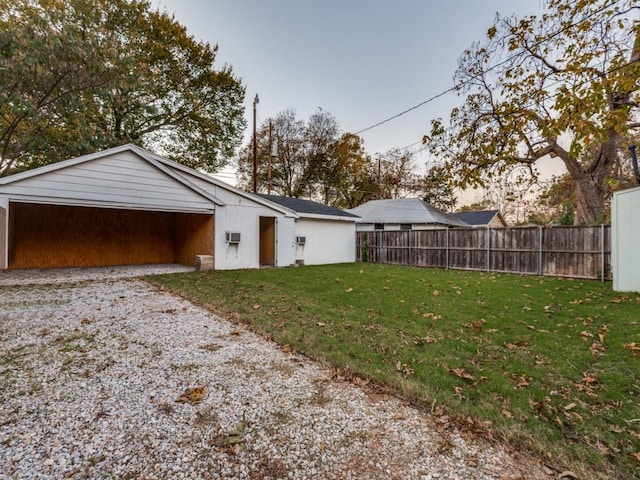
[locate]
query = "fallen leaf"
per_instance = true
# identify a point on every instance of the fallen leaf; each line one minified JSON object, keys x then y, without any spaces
{"x":567,"y":475}
{"x":348,"y":290}
{"x":462,"y":373}
{"x":571,"y":406}
{"x":256,"y":306}
{"x":436,"y":293}
{"x":287,"y":348}
{"x":321,"y":324}
{"x":237,"y":332}
{"x":193,"y":396}
{"x":506,"y":413}
{"x":521,"y":382}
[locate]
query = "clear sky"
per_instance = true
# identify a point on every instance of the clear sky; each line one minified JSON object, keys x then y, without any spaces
{"x":361,"y":60}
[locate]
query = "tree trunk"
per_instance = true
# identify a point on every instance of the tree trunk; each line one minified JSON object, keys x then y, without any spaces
{"x":589,"y":200}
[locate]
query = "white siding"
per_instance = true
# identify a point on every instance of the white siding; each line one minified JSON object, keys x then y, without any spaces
{"x":245,"y":219}
{"x":625,"y":240}
{"x":326,"y":241}
{"x":121,"y":179}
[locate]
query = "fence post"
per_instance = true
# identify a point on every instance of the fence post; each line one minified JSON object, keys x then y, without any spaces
{"x":602,"y":262}
{"x":410,"y":233}
{"x":488,"y":239}
{"x":447,"y":250}
{"x":540,"y":237}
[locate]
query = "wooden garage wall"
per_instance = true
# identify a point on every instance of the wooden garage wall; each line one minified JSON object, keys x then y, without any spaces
{"x":194,"y":236}
{"x":46,"y":236}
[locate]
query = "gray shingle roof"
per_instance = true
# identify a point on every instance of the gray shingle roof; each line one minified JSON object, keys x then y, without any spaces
{"x":404,"y":210}
{"x":306,"y":206}
{"x":482,"y":217}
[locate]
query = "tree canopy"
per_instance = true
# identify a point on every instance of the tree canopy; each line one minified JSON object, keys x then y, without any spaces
{"x":83,"y":75}
{"x":564,"y":84}
{"x":314,"y":159}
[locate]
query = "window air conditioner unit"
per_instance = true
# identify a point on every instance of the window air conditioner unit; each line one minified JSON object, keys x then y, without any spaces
{"x":301,"y":240}
{"x":233,"y":237}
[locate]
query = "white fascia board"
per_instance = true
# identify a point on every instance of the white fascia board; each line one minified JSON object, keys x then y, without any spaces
{"x":317,"y":216}
{"x":142,"y":153}
{"x":95,"y":204}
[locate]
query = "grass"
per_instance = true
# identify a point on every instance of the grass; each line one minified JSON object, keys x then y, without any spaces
{"x":550,"y":365}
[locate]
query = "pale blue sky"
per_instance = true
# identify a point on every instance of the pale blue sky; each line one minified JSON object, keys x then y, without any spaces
{"x":362,"y":61}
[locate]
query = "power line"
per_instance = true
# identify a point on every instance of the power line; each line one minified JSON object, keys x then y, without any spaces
{"x":508,"y":59}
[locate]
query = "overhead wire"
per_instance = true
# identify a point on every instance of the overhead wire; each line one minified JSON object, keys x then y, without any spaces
{"x":508,"y":59}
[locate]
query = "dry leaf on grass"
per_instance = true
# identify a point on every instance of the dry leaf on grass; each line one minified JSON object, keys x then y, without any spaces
{"x":462,"y":373}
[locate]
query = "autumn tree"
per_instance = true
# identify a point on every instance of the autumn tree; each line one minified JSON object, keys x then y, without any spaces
{"x":396,"y":176}
{"x":347,"y":179}
{"x":437,"y":190}
{"x":308,"y":159}
{"x":289,"y":171}
{"x":80,"y":75}
{"x":564,"y":84}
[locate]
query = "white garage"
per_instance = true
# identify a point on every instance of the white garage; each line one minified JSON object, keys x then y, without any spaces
{"x":127,"y":205}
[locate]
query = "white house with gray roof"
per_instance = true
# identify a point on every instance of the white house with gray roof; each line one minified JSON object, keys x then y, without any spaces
{"x":127,"y":205}
{"x":402,"y":214}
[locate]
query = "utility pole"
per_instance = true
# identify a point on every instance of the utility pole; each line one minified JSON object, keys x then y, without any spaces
{"x":270,"y":155}
{"x":256,"y":100}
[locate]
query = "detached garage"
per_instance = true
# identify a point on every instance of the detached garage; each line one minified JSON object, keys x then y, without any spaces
{"x":127,"y":206}
{"x":115,"y":207}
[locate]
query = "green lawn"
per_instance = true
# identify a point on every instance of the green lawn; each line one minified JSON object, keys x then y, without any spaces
{"x":550,"y":365}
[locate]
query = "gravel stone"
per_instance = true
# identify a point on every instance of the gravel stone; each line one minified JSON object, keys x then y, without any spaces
{"x":93,"y":361}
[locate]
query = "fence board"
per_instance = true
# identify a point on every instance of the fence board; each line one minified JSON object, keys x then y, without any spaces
{"x":578,"y":252}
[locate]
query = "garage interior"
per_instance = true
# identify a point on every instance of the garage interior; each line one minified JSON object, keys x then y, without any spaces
{"x":51,"y":236}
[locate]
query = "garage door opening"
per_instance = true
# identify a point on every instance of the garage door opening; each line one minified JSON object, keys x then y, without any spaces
{"x":49,"y":236}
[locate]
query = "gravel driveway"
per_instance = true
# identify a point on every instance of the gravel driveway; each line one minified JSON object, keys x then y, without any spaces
{"x":103,"y":375}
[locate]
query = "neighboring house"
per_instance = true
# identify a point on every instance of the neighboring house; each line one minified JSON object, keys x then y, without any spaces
{"x":323,"y":234}
{"x":483,"y":218}
{"x":402,"y":214}
{"x":127,"y":205}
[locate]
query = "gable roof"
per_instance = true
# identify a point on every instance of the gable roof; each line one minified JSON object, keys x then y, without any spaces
{"x":404,"y":210}
{"x":308,"y":208}
{"x":72,"y":162}
{"x":186,"y":176}
{"x":481,"y":217}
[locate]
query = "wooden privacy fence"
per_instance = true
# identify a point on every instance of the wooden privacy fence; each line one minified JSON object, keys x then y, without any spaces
{"x":578,"y":252}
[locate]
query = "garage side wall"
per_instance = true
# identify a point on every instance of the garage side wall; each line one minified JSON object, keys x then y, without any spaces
{"x":194,"y":236}
{"x":326,"y":241}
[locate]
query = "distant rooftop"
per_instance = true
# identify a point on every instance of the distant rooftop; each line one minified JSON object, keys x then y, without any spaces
{"x":404,"y":210}
{"x":306,"y":206}
{"x":482,"y":217}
